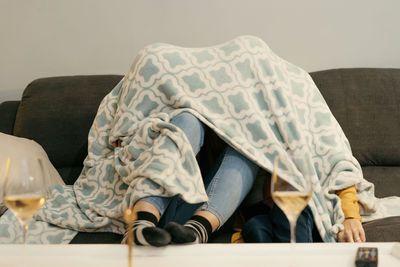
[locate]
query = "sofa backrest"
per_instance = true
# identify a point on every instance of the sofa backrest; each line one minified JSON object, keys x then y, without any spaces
{"x":366,"y":103}
{"x":57,"y":113}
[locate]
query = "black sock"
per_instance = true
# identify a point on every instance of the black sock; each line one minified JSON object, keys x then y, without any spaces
{"x":146,"y":233}
{"x":195,"y":231}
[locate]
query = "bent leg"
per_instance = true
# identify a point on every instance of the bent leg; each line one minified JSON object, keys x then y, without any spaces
{"x":192,"y":127}
{"x":194,"y":131}
{"x":227,"y":185}
{"x":150,"y":209}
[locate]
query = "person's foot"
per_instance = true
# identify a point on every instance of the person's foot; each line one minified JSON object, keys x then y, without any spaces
{"x":151,"y":236}
{"x":146,"y":233}
{"x":195,"y":231}
{"x":181,"y":234}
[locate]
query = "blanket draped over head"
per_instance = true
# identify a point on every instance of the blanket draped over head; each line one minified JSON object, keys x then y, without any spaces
{"x":258,"y":103}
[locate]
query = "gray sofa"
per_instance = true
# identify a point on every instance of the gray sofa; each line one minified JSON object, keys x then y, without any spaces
{"x":57,"y":112}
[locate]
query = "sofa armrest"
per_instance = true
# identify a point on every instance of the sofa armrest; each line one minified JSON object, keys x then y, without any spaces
{"x":8,"y":112}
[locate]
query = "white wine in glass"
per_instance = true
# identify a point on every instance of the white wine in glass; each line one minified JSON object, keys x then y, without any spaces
{"x":290,"y":199}
{"x":24,"y":191}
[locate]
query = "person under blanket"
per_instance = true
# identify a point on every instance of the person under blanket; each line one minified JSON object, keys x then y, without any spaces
{"x":143,"y":143}
{"x":158,"y":69}
{"x":227,"y":183}
{"x":162,"y":220}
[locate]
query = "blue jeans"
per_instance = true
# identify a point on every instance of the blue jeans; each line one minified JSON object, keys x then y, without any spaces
{"x":273,"y":227}
{"x":227,"y":183}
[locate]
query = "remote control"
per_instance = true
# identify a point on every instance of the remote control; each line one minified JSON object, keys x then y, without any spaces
{"x":367,"y":257}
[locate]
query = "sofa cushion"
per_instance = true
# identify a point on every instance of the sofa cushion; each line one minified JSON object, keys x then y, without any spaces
{"x":8,"y":111}
{"x":386,"y":179}
{"x":16,"y":149}
{"x":97,"y":238}
{"x":383,"y":230}
{"x":366,"y":102}
{"x":58,"y":112}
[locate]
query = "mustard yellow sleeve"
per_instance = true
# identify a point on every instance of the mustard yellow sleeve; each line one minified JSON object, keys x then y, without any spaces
{"x":348,"y":197}
{"x":237,"y":237}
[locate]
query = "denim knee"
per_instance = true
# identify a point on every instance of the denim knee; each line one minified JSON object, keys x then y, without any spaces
{"x":192,"y":127}
{"x":230,"y":182}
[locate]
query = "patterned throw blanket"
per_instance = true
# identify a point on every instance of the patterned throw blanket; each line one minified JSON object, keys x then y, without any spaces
{"x":255,"y":101}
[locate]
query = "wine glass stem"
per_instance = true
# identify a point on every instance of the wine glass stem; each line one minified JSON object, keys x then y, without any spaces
{"x":25,"y":227}
{"x":130,"y":243}
{"x":292,"y":231}
{"x":24,"y":232}
{"x":292,"y":223}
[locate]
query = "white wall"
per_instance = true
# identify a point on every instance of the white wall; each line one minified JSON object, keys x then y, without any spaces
{"x":41,"y":38}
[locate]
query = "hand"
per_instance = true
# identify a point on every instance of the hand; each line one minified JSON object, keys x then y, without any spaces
{"x":352,"y":232}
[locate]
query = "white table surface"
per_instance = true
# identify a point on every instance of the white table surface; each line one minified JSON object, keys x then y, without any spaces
{"x":248,"y":255}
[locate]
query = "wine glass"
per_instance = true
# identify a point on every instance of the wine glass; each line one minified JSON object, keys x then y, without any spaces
{"x":24,"y":192}
{"x":293,"y":197}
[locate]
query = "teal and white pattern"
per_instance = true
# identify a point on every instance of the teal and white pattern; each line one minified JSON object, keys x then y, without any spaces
{"x":260,"y":104}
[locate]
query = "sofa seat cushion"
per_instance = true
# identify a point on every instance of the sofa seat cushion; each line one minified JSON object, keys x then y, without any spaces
{"x":385,"y":178}
{"x":383,"y":230}
{"x":97,"y":238}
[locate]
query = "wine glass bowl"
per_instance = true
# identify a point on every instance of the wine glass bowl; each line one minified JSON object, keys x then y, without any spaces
{"x":24,"y":191}
{"x":291,"y":197}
